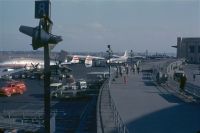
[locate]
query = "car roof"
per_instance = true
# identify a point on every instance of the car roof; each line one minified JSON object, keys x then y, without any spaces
{"x":55,"y":84}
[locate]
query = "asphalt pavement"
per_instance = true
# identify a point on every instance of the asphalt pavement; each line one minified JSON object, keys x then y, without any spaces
{"x":68,"y":112}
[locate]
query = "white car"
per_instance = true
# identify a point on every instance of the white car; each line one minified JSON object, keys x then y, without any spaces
{"x":81,"y":84}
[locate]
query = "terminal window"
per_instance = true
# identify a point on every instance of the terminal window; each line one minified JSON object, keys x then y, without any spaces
{"x":191,"y":49}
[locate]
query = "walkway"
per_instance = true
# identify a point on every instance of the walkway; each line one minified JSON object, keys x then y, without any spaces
{"x":146,"y":108}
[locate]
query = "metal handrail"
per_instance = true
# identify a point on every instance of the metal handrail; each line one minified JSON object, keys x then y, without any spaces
{"x":121,"y":127}
{"x":99,"y":116}
{"x":119,"y":124}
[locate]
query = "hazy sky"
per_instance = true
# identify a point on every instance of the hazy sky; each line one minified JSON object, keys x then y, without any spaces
{"x":88,"y":25}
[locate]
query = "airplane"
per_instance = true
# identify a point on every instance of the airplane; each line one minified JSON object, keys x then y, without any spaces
{"x":88,"y":60}
{"x":27,"y":63}
{"x":119,"y":59}
{"x":139,"y":57}
{"x":15,"y":66}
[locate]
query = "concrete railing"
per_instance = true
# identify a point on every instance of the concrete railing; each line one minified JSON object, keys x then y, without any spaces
{"x":170,"y":67}
{"x":189,"y":88}
{"x":193,"y":89}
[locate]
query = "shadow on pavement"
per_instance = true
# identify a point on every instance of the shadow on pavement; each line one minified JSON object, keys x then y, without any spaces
{"x":171,"y":98}
{"x":183,"y":118}
{"x":149,"y":83}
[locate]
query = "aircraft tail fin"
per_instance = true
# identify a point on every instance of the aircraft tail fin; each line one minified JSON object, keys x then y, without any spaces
{"x":75,"y":59}
{"x":126,"y":54}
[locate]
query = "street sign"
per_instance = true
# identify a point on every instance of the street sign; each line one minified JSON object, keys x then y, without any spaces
{"x":42,"y":8}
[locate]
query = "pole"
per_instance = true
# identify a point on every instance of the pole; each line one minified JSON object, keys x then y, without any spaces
{"x":109,"y":65}
{"x":47,"y":75}
{"x":131,"y":58}
{"x":109,"y":54}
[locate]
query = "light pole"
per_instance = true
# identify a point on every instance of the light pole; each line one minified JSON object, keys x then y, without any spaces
{"x":109,"y":51}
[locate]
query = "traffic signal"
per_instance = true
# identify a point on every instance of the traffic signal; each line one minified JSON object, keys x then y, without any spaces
{"x":39,"y":36}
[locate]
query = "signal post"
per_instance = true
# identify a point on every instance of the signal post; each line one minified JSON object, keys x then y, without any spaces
{"x":42,"y":37}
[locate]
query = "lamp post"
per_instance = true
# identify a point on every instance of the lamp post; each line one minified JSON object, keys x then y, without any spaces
{"x":109,"y":51}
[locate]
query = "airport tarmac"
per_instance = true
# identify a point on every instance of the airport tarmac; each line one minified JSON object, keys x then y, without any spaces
{"x":68,"y":112}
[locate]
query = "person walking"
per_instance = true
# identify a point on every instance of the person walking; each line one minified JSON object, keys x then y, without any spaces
{"x":120,"y":70}
{"x":125,"y":78}
{"x":194,"y":76}
{"x":183,"y":80}
{"x":133,"y":69}
{"x":138,"y":69}
{"x":124,"y":75}
{"x":127,"y":69}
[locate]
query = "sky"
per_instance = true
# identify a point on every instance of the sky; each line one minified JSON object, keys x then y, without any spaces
{"x":90,"y":25}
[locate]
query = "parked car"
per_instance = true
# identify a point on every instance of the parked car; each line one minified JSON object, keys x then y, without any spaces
{"x":9,"y":88}
{"x":81,"y":84}
{"x":96,"y":79}
{"x":55,"y":89}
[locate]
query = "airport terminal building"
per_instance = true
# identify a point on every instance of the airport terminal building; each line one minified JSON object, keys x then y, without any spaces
{"x":189,"y":48}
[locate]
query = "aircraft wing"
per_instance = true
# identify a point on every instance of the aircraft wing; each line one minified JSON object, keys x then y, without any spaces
{"x":97,"y":58}
{"x":116,"y":56}
{"x":83,"y":57}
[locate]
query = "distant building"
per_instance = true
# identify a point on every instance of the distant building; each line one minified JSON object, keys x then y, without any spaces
{"x":189,"y":48}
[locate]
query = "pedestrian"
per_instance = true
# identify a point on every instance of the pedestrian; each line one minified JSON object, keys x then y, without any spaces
{"x":124,"y":76}
{"x":127,"y":69}
{"x":120,"y":70}
{"x":117,"y":71}
{"x":157,"y":78}
{"x":135,"y":67}
{"x":138,"y":69}
{"x":194,"y":76}
{"x":125,"y":79}
{"x":182,"y":82}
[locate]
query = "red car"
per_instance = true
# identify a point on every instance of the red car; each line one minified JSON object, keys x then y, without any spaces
{"x":11,"y":87}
